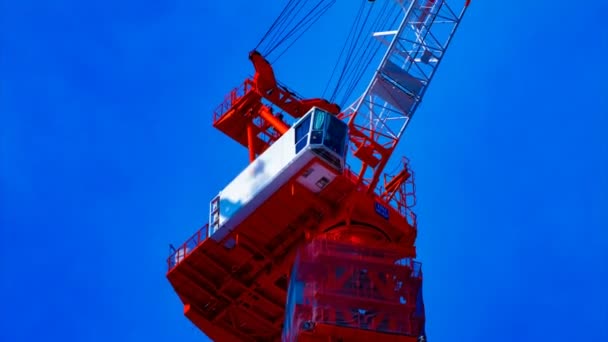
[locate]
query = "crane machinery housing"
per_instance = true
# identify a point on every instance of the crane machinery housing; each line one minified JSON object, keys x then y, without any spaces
{"x":313,"y":241}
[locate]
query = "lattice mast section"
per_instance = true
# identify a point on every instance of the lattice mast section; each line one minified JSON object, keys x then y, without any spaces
{"x":378,"y":118}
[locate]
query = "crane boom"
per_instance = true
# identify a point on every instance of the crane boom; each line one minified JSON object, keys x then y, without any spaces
{"x":378,"y":118}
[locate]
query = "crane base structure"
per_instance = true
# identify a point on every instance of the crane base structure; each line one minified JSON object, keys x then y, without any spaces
{"x":299,"y":246}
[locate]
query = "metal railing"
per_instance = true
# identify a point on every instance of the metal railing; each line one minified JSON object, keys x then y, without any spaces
{"x":232,"y":97}
{"x":182,"y":252}
{"x":403,"y":204}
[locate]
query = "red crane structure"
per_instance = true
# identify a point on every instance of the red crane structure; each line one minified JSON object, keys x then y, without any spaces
{"x":312,"y":241}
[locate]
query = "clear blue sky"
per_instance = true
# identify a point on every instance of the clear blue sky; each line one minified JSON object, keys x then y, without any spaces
{"x":107,"y":155}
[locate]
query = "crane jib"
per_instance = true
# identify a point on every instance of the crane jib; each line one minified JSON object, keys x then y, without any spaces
{"x":383,"y":111}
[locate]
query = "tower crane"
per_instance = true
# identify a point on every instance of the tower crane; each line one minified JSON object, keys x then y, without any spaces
{"x":313,"y":240}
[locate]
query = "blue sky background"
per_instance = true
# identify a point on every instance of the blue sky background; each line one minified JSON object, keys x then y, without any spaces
{"x":107,"y":155}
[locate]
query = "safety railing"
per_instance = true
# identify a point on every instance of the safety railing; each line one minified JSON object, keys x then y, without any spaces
{"x":232,"y":97}
{"x":179,"y":254}
{"x":327,"y":246}
{"x":403,"y":202}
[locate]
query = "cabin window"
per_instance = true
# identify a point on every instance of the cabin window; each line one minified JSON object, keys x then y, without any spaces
{"x":319,"y":120}
{"x":302,"y":130}
{"x":335,"y":137}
